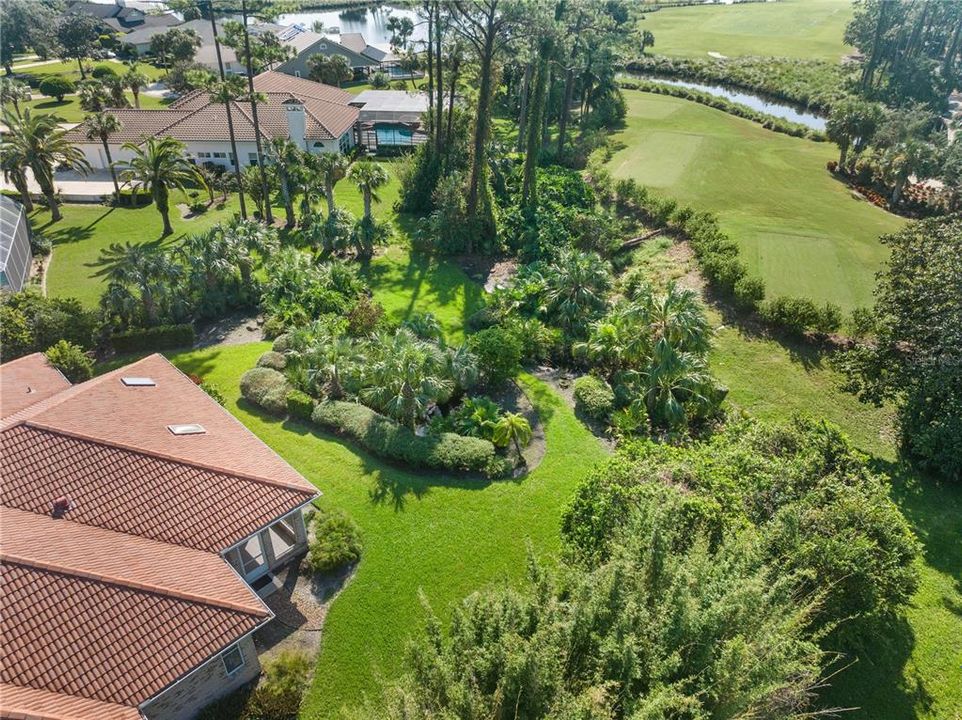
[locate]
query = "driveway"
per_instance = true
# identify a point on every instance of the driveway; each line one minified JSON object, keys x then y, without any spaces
{"x":72,"y":186}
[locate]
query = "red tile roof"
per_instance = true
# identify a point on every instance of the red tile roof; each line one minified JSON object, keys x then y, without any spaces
{"x":24,"y":703}
{"x":27,"y":381}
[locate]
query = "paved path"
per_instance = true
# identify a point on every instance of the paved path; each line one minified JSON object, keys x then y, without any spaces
{"x":96,"y":185}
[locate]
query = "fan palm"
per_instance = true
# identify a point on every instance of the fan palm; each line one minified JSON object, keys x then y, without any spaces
{"x":368,"y":177}
{"x":146,"y":267}
{"x":246,"y":237}
{"x":671,"y":380}
{"x":676,"y":316}
{"x":41,"y":145}
{"x":100,"y":126}
{"x":93,"y":96}
{"x":286,"y":157}
{"x":512,"y":429}
{"x":135,"y":79}
{"x":577,"y":284}
{"x":14,"y":92}
{"x":209,"y":257}
{"x":332,"y":167}
{"x":158,"y":165}
{"x":328,"y":357}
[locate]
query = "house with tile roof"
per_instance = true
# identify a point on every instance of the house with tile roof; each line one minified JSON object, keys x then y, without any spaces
{"x":318,"y":118}
{"x":140,"y":527}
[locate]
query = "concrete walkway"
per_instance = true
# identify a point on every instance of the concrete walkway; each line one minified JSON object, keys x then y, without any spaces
{"x":72,"y":186}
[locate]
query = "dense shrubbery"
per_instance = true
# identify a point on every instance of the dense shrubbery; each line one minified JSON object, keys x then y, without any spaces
{"x":56,"y":86}
{"x":498,"y":352}
{"x":820,"y":513}
{"x":70,"y":360}
{"x":30,"y":322}
{"x":266,"y":388}
{"x":771,"y":122}
{"x":336,"y":542}
{"x":594,"y":397}
{"x":916,"y":356}
{"x":161,"y":337}
{"x":800,"y":315}
{"x":276,"y":696}
{"x":815,"y":84}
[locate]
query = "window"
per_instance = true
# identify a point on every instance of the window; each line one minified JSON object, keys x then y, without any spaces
{"x":220,"y":155}
{"x":233,"y":659}
{"x":251,"y":158}
{"x":297,"y":73}
{"x":203,"y":155}
{"x":345,"y":142}
{"x":138,"y":381}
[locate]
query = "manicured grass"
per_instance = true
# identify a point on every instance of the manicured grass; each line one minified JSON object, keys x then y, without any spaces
{"x":423,"y":533}
{"x":799,"y":229}
{"x":810,"y":29}
{"x":70,"y":70}
{"x":69,"y":108}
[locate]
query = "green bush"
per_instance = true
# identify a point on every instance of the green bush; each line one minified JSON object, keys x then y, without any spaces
{"x":161,"y":337}
{"x":749,"y":293}
{"x":386,"y":438}
{"x":794,"y":315}
{"x":30,"y":322}
{"x":266,"y":388}
{"x":40,"y":245}
{"x":71,"y":361}
{"x":300,"y":404}
{"x":594,"y":397}
{"x":861,"y":322}
{"x":273,"y":360}
{"x":336,"y":541}
{"x":476,"y":416}
{"x":499,"y":354}
{"x":102,"y":71}
{"x":829,"y":319}
{"x":282,"y":343}
{"x":56,"y":87}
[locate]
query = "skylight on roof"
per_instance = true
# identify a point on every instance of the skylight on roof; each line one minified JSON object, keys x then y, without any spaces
{"x":138,"y":381}
{"x":187,"y":429}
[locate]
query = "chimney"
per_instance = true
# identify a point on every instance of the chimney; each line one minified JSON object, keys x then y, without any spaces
{"x":296,"y":123}
{"x":60,"y":507}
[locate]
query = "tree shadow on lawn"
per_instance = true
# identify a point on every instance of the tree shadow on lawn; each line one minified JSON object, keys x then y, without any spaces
{"x":61,"y":234}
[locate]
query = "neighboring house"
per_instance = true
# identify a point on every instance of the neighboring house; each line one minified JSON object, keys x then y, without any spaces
{"x":15,"y":255}
{"x":386,"y":60}
{"x":125,"y":17}
{"x":139,"y":41}
{"x":318,"y":118}
{"x":140,"y":525}
{"x":390,"y":119}
{"x":299,"y":66}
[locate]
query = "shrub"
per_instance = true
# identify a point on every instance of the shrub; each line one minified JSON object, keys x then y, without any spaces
{"x":365,"y":317}
{"x":388,"y":439}
{"x":861,"y":322}
{"x":30,"y":322}
{"x":266,"y":388}
{"x":498,"y":352}
{"x":829,"y":319}
{"x":216,"y":395}
{"x":40,"y":245}
{"x":71,"y":361}
{"x":56,"y":87}
{"x":300,"y":404}
{"x":539,"y":343}
{"x":278,"y":694}
{"x":161,"y":337}
{"x":102,"y":71}
{"x":792,"y":314}
{"x":749,"y":293}
{"x":336,"y":541}
{"x":282,"y":343}
{"x":273,"y":360}
{"x":476,"y":417}
{"x":594,"y":397}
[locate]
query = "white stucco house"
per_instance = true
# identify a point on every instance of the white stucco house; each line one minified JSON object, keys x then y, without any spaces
{"x":318,"y":118}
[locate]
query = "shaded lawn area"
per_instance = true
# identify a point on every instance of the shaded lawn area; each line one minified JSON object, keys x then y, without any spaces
{"x":422,"y":532}
{"x":807,"y":29}
{"x":69,"y":108}
{"x":910,"y":668}
{"x":799,"y":229}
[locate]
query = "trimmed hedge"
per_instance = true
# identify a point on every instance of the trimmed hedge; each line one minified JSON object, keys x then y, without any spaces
{"x":161,"y":337}
{"x":273,"y":360}
{"x":594,"y":397}
{"x":300,"y":405}
{"x":266,"y":388}
{"x":386,"y":438}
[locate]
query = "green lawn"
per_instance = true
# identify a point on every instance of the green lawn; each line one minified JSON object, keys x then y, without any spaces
{"x":422,"y":532}
{"x":809,"y":29}
{"x":799,"y":229}
{"x":69,"y":108}
{"x":70,"y":70}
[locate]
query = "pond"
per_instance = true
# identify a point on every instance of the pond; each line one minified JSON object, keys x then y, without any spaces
{"x":371,"y":21}
{"x":756,"y":102}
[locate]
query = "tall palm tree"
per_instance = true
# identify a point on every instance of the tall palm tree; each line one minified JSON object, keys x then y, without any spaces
{"x":14,"y":167}
{"x":333,"y":167}
{"x":286,"y":158}
{"x":100,"y":126}
{"x":226,"y":92}
{"x":14,"y":92}
{"x":512,"y":429}
{"x":368,"y":177}
{"x":145,"y":267}
{"x":247,"y":237}
{"x":158,"y":165}
{"x":135,"y":79}
{"x":42,"y":146}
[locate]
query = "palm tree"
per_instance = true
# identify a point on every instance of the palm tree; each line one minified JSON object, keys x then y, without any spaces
{"x":209,"y":258}
{"x":328,"y":357}
{"x":226,"y":91}
{"x":158,"y":165}
{"x":852,"y":121}
{"x":93,"y":96}
{"x":676,"y":316}
{"x":135,"y":79}
{"x":247,"y":237}
{"x":14,"y":167}
{"x":333,"y":167}
{"x":286,"y":158}
{"x":368,"y":177}
{"x":147,"y":267}
{"x":577,"y":286}
{"x":14,"y":92}
{"x":512,"y":429}
{"x":117,"y":92}
{"x":671,"y":380}
{"x":42,"y":145}
{"x":101,"y":126}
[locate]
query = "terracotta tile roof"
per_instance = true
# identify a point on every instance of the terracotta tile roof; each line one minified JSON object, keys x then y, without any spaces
{"x":106,"y":642}
{"x":273,"y":81}
{"x":134,"y":125}
{"x":62,"y":545}
{"x":135,"y":493}
{"x":24,"y":703}
{"x":26,"y":381}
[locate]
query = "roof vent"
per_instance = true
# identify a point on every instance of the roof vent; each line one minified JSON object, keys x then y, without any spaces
{"x":138,"y":381}
{"x":187,"y":429}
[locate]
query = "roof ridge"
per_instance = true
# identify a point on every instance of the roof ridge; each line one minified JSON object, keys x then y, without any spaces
{"x":162,"y":456}
{"x":19,"y":559}
{"x":317,"y":120}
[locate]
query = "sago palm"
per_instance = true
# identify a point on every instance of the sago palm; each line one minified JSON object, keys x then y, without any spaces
{"x":368,"y":177}
{"x":100,"y":126}
{"x":42,"y":146}
{"x":158,"y":165}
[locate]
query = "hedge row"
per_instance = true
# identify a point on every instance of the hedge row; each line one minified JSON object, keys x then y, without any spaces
{"x":720,"y":261}
{"x":769,"y":122}
{"x":161,"y":337}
